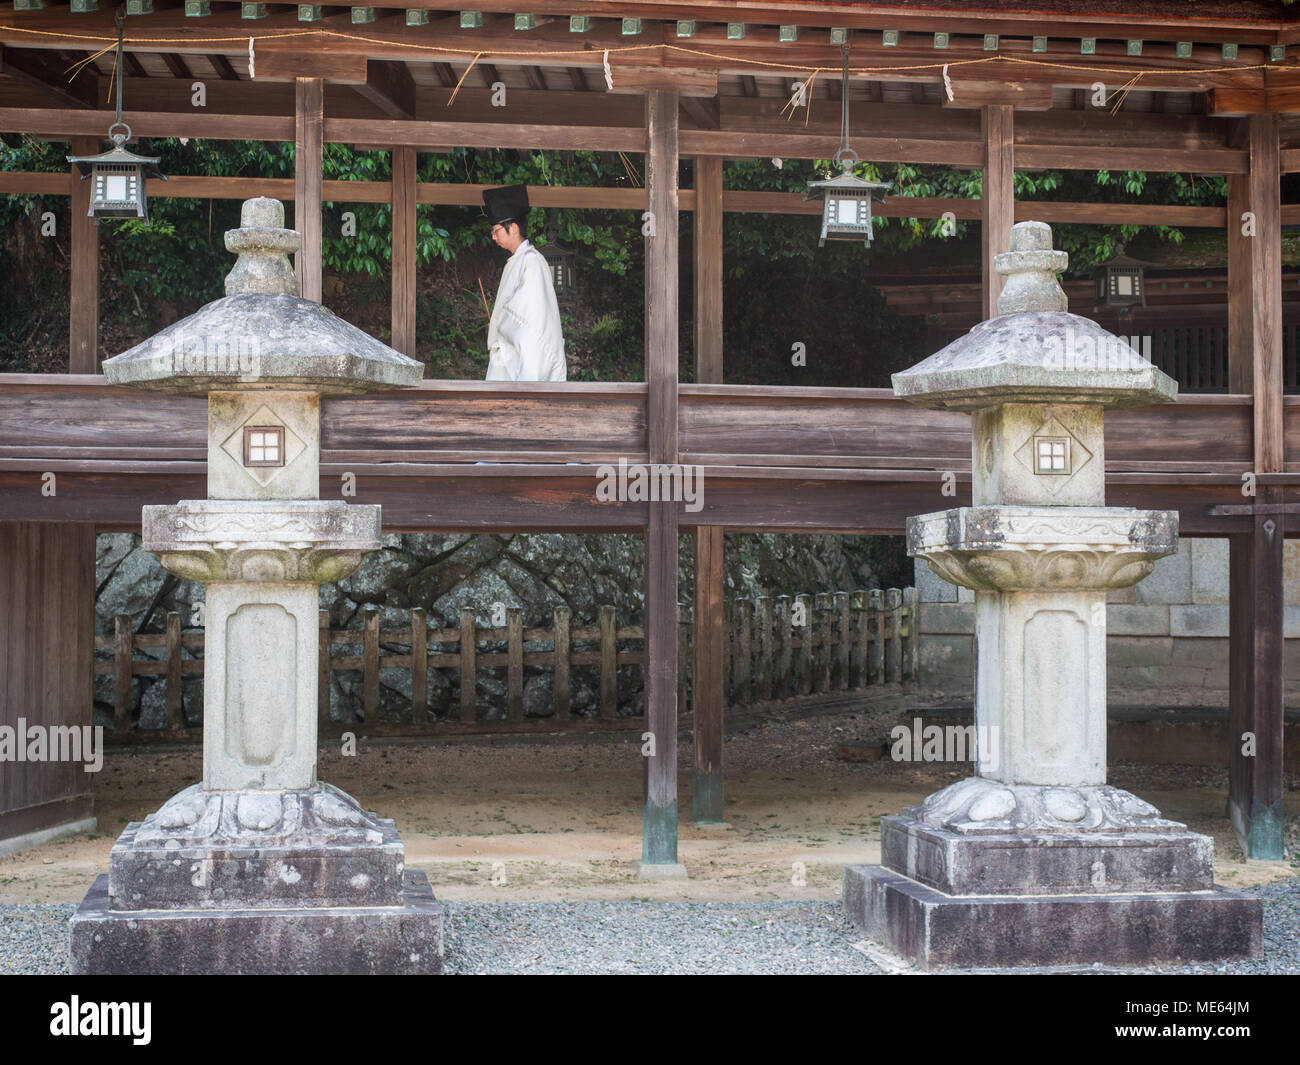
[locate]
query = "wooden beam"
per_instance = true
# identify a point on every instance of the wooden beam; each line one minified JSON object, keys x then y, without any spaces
{"x":404,"y":256}
{"x":536,"y":80}
{"x":998,"y":198}
{"x":176,"y":64}
{"x":83,"y":251}
{"x":224,"y":68}
{"x":390,"y":87}
{"x":703,"y":112}
{"x":1018,"y":94}
{"x":659,"y":832}
{"x":308,"y":161}
{"x":628,"y":78}
{"x":577,"y":78}
{"x":287,"y":63}
{"x":35,"y":70}
{"x":446,"y":75}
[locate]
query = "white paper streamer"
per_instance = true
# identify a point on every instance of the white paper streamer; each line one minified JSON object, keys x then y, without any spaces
{"x":609,"y":74}
{"x":947,"y":83}
{"x":252,"y":60}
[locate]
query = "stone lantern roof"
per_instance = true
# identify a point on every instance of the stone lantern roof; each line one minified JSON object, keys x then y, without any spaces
{"x":1035,"y":351}
{"x":262,"y":335}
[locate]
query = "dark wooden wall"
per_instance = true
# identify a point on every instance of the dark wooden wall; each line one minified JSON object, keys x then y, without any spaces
{"x":47,"y":623}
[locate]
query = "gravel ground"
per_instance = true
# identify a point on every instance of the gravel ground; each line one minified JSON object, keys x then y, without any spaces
{"x":667,"y":937}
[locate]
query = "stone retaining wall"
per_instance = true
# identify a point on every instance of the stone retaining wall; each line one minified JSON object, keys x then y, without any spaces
{"x":1168,"y":632}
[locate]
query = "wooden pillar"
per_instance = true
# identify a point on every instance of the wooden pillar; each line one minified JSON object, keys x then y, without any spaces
{"x":309,"y":124}
{"x":83,"y":250}
{"x":47,"y":629}
{"x":708,"y":696}
{"x":659,"y":824}
{"x":998,"y":202}
{"x":1241,"y":347}
{"x":404,"y":259}
{"x":1256,"y":593}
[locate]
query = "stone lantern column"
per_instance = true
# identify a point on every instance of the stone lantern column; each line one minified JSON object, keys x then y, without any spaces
{"x":260,"y":867}
{"x":1036,"y":860}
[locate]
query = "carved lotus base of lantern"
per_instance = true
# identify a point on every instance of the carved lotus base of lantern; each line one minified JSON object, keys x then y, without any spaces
{"x":294,"y":881}
{"x":311,"y":541}
{"x":1006,"y":548}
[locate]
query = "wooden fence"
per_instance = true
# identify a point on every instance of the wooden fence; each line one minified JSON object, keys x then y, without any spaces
{"x":775,"y":649}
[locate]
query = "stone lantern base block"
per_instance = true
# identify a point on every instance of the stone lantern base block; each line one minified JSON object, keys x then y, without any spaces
{"x":356,"y":940}
{"x":1047,"y":863}
{"x":935,"y":931}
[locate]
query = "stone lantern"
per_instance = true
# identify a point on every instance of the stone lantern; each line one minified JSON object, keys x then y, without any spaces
{"x":260,"y":867}
{"x":1036,"y":860}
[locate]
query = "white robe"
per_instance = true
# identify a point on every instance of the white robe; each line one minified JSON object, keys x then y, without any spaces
{"x":525,"y":342}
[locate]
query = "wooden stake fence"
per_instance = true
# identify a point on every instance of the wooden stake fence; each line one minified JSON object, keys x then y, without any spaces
{"x":828,"y":642}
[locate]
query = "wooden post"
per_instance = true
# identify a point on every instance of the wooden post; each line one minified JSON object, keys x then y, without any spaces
{"x":370,"y":664}
{"x":309,"y":121}
{"x":419,"y":664}
{"x":515,"y":663}
{"x":708,"y":697}
{"x":83,"y":250}
{"x":911,"y":645}
{"x":894,"y":605}
{"x":863,"y":674}
{"x":842,"y":650}
{"x":708,"y":683}
{"x":659,"y":824}
{"x":609,"y":664}
{"x":172,"y":688}
{"x":563,"y":706}
{"x":804,"y":686}
{"x":763,"y":621}
{"x":683,"y":655}
{"x":826,"y":623}
{"x":787,"y":647}
{"x":47,"y":652}
{"x":998,"y":201}
{"x":123,"y":653}
{"x":744,"y":663}
{"x":708,"y":270}
{"x":875,"y":601}
{"x":404,"y":257}
{"x":468,"y":671}
{"x":1255,"y":586}
{"x":323,"y":672}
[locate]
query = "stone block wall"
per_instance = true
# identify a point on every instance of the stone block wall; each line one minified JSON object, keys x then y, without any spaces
{"x":1169,"y":633}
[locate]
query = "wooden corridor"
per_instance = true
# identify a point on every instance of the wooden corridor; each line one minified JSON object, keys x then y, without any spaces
{"x":456,"y":455}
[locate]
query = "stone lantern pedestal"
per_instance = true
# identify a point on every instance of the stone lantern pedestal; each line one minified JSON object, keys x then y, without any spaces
{"x":260,"y":868}
{"x":1036,"y":860}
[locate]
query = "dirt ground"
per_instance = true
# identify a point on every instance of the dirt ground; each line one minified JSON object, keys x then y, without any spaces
{"x":561,"y":820}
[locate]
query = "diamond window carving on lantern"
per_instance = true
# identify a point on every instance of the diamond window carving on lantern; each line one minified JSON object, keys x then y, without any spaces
{"x":263,"y":445}
{"x":1052,"y":455}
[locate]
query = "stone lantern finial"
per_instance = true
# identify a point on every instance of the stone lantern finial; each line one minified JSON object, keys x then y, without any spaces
{"x":263,"y":246}
{"x":1031,"y":267}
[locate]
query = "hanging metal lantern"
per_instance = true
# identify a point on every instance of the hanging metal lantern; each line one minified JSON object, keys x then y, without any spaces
{"x":118,"y":176}
{"x":846,"y":210}
{"x":564,"y":274}
{"x":1121,"y":282}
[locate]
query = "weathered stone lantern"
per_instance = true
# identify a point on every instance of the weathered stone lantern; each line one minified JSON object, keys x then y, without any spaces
{"x":1036,"y":860}
{"x":261,"y":867}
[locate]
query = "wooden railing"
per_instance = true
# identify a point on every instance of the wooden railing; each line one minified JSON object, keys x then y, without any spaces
{"x":775,"y":649}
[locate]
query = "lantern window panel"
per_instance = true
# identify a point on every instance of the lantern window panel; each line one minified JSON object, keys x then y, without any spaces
{"x":263,"y":445}
{"x":1051,"y":455}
